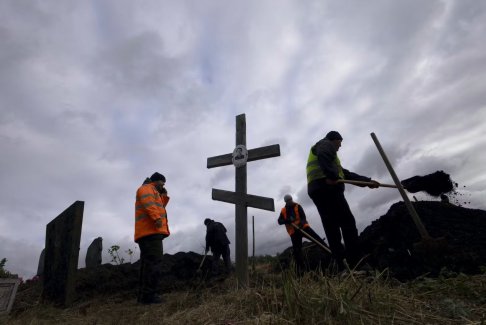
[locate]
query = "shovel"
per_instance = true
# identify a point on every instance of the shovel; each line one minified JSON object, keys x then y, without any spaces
{"x":202,"y":262}
{"x":310,"y":237}
{"x":365,"y":183}
{"x":427,"y":242}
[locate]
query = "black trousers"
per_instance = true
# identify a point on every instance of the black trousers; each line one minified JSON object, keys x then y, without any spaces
{"x":223,"y":251}
{"x":296,"y":239}
{"x":337,"y":218}
{"x":151,"y":252}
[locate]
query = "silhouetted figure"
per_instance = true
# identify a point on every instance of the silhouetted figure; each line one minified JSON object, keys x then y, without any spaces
{"x":218,"y":242}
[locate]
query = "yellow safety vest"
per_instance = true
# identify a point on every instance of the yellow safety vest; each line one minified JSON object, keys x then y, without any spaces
{"x":314,"y":171}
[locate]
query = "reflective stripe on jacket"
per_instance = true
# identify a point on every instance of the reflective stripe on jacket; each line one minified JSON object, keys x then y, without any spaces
{"x":314,"y":171}
{"x":150,"y":206}
{"x":297,"y":221}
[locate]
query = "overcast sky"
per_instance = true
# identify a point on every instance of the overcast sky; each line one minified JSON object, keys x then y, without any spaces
{"x":97,"y":95}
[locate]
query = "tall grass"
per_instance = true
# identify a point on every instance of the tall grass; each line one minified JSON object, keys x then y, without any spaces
{"x":286,"y":298}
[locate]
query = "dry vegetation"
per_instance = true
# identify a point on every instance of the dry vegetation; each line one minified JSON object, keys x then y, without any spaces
{"x":280,"y":298}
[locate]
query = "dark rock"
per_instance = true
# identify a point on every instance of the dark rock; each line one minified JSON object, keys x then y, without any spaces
{"x":93,"y":254}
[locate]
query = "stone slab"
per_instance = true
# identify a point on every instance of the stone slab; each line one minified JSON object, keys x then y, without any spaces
{"x":63,"y":236}
{"x":93,"y":254}
{"x":8,"y":290}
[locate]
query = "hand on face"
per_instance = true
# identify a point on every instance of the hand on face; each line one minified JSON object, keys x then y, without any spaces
{"x":160,"y":187}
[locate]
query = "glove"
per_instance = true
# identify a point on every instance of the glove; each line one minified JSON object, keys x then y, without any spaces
{"x":331,"y":181}
{"x":374,"y":185}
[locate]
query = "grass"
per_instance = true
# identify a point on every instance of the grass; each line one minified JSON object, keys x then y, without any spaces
{"x":281,"y":298}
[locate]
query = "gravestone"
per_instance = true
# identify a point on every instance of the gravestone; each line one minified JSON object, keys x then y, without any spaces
{"x":40,"y":266}
{"x":8,"y":290}
{"x":239,"y":197}
{"x":63,"y":235}
{"x":93,"y":255}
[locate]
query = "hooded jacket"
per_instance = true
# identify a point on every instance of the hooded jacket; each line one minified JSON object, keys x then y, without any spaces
{"x":323,"y":162}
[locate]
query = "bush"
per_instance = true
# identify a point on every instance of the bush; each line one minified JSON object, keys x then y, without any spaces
{"x":4,"y":273}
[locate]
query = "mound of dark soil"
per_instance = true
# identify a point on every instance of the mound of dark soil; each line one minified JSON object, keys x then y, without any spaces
{"x":391,"y":241}
{"x":178,"y":272}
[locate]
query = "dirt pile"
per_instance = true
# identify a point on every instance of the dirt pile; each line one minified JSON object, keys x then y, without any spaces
{"x":434,"y":184}
{"x":389,"y":241}
{"x":178,"y":272}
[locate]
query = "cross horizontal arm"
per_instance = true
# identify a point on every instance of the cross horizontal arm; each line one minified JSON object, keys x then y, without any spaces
{"x":264,"y":152}
{"x":252,"y":201}
{"x":218,"y":161}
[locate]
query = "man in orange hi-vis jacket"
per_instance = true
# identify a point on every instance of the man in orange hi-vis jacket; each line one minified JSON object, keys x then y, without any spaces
{"x":151,"y":228}
{"x":293,"y":213}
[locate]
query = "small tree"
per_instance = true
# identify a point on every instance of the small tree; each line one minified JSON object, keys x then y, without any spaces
{"x":130,"y":253}
{"x":4,"y":273}
{"x":115,"y":257}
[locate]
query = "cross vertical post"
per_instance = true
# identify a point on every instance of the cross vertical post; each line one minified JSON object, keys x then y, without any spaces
{"x":241,"y":209}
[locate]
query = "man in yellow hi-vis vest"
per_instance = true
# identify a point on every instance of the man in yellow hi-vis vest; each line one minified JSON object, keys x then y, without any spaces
{"x":324,"y":170}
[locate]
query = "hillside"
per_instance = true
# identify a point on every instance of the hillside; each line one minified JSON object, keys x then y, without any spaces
{"x":442,"y":284}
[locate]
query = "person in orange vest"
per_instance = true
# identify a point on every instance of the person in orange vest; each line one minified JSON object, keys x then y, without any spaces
{"x":151,"y":228}
{"x":293,"y":213}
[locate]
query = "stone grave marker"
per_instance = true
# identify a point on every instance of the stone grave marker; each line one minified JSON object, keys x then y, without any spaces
{"x":40,"y":266}
{"x":93,"y":255}
{"x":240,"y":198}
{"x":8,"y":290}
{"x":63,"y":235}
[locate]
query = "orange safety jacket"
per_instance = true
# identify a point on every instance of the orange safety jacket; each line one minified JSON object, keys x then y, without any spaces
{"x":297,"y":221}
{"x":150,"y":206}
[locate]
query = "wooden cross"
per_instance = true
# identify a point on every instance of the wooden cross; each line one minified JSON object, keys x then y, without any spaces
{"x":240,"y":198}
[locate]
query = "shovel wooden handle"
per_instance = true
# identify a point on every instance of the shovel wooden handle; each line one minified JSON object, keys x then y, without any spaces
{"x":200,"y":265}
{"x":416,"y":219}
{"x":365,"y":183}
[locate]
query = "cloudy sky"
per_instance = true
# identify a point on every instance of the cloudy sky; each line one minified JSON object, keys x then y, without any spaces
{"x":97,"y":95}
